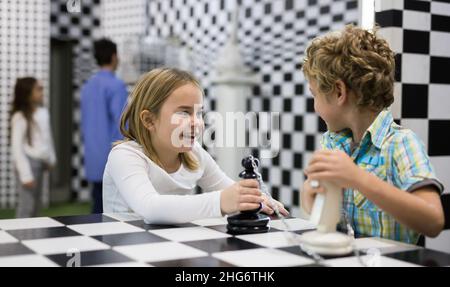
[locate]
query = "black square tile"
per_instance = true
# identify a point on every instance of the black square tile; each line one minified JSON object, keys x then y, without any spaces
{"x":439,"y":70}
{"x":414,"y":101}
{"x":91,"y":258}
{"x":38,"y":233}
{"x":416,"y":42}
{"x":297,"y":251}
{"x":129,"y":238}
{"x":440,"y":23}
{"x":193,"y":262}
{"x":10,"y":249}
{"x":83,"y":219}
{"x":438,"y":137}
{"x":145,"y":226}
{"x":424,"y":257}
{"x":222,"y":244}
{"x":223,"y":228}
{"x":422,"y":6}
{"x":389,"y":18}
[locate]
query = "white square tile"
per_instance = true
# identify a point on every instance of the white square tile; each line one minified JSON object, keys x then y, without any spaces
{"x":126,"y":216}
{"x":440,"y":243}
{"x":441,"y":165}
{"x":272,"y":239}
{"x":211,"y":221}
{"x":415,"y":68}
{"x":293,"y":224}
{"x":26,"y":261}
{"x":262,"y":257}
{"x":380,"y":261}
{"x":382,"y":5}
{"x":415,"y":20}
{"x":439,"y":101}
{"x":394,"y":36}
{"x":62,"y":245}
{"x":189,"y":233}
{"x":440,"y":8}
{"x":159,"y":251}
{"x":439,"y":44}
{"x":28,"y":223}
{"x":6,"y":237}
{"x":369,"y":243}
{"x":104,"y":228}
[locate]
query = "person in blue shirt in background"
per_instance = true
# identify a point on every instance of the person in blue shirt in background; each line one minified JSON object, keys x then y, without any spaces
{"x":103,"y":98}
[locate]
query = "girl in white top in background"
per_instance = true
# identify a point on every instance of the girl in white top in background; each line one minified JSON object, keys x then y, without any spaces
{"x":32,"y":144}
{"x":155,"y":169}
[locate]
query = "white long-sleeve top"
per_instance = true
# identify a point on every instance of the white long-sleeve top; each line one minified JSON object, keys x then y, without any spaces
{"x":42,"y":147}
{"x":134,"y":183}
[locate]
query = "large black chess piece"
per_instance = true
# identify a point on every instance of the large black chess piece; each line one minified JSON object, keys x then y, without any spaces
{"x":249,"y":221}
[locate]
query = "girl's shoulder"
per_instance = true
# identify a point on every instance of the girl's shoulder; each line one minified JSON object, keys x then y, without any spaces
{"x":129,"y":150}
{"x":17,"y":116}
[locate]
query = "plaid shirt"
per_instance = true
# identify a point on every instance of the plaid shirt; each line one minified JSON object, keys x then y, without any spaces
{"x":397,"y":156}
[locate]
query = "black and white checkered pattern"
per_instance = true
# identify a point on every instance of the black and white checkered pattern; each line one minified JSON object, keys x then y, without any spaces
{"x":419,"y":32}
{"x":84,"y":28}
{"x":125,"y":240}
{"x":272,"y":37}
{"x":24,"y":51}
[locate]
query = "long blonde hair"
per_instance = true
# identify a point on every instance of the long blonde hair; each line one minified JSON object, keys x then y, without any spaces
{"x":150,"y":93}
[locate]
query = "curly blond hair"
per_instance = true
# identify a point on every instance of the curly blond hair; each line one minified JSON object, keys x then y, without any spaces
{"x":359,"y":58}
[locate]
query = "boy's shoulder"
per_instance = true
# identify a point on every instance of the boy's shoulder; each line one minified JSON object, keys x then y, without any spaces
{"x":401,"y":136}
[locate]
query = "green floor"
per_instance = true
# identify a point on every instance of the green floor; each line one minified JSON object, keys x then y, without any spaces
{"x":59,"y":209}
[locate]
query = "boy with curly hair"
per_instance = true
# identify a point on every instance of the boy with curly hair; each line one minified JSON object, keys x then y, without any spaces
{"x":390,"y":189}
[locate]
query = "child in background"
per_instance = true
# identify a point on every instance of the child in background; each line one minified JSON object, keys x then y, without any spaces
{"x":32,"y":144}
{"x":390,"y":188}
{"x":155,"y":169}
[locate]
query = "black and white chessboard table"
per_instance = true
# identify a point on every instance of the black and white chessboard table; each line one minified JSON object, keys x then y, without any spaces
{"x":125,"y":240}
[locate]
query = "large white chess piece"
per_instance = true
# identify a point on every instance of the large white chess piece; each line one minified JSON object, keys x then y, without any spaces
{"x":326,"y":214}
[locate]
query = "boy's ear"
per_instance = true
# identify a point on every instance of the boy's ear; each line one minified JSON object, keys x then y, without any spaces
{"x":341,"y":92}
{"x":147,"y":119}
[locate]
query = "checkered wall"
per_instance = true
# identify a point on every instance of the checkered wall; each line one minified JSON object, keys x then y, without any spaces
{"x":24,"y":51}
{"x":272,"y":36}
{"x":419,"y":32}
{"x":83,"y":27}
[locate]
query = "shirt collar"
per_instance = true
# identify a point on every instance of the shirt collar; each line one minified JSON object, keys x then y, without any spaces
{"x":380,"y":127}
{"x":377,"y":130}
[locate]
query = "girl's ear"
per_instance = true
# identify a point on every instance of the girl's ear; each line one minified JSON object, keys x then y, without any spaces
{"x":147,"y":119}
{"x":341,"y":92}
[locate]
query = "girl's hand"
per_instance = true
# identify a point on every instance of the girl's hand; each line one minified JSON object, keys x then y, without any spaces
{"x":243,"y":195}
{"x":268,"y":208}
{"x":29,"y":185}
{"x":309,"y":194}
{"x":334,"y":166}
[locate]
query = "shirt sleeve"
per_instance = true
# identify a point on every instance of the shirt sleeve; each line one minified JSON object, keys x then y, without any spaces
{"x":412,"y":167}
{"x":116,"y":104}
{"x":130,"y":175}
{"x":20,"y":160}
{"x":52,"y":154}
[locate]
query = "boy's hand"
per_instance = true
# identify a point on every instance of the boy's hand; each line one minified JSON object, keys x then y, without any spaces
{"x":334,"y":166}
{"x":243,"y":195}
{"x":268,"y":208}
